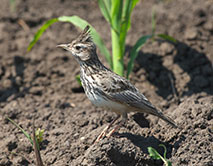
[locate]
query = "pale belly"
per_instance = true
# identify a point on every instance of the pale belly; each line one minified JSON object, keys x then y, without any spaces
{"x":105,"y":103}
{"x":99,"y":101}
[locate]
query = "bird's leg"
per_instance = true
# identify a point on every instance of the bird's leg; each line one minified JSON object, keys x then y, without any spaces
{"x":103,"y":133}
{"x":124,"y":118}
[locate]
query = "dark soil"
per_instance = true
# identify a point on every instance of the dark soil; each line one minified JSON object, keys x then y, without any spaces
{"x":41,"y":85}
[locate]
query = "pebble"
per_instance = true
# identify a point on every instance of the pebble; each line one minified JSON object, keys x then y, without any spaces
{"x":36,"y":90}
{"x":167,"y":48}
{"x":82,"y":138}
{"x":208,"y":26}
{"x":7,"y":83}
{"x":191,"y":34}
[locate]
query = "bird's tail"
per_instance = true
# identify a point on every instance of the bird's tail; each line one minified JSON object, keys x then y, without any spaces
{"x":147,"y":107}
{"x":167,"y":119}
{"x":160,"y":114}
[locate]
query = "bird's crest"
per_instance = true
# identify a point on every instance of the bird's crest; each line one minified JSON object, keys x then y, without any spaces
{"x":85,"y":35}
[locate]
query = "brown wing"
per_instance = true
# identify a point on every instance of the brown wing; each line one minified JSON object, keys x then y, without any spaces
{"x":121,"y":90}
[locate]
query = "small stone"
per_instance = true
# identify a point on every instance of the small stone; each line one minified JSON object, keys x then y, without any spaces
{"x":7,"y":83}
{"x":67,"y":143}
{"x":191,"y":34}
{"x":208,"y":26}
{"x":82,"y":138}
{"x":36,"y":90}
{"x":167,"y":48}
{"x":76,"y":135}
{"x":18,"y":80}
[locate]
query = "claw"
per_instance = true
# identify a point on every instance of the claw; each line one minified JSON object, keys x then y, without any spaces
{"x":104,"y":132}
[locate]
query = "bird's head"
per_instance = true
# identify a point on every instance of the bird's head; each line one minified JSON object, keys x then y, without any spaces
{"x":83,"y":48}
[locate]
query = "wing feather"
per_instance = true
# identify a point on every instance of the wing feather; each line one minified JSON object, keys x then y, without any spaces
{"x":122,"y":91}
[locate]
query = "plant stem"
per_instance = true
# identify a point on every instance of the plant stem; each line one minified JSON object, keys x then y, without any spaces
{"x":117,"y":57}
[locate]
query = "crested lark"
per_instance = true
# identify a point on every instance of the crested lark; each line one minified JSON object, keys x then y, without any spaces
{"x":105,"y":88}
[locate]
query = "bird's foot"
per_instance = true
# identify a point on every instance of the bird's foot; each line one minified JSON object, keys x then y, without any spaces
{"x":102,"y":135}
{"x":112,"y":131}
{"x":104,"y":132}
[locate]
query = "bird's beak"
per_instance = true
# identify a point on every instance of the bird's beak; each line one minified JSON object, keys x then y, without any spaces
{"x":64,"y":46}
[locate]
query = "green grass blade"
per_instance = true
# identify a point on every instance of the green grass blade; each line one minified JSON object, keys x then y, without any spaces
{"x":40,"y":32}
{"x":167,"y":37}
{"x":77,"y":21}
{"x":134,"y":52}
{"x":22,"y":130}
{"x":36,"y":148}
{"x":105,"y":9}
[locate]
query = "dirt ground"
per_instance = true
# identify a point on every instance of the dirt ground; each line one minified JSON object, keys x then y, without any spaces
{"x":41,"y":85}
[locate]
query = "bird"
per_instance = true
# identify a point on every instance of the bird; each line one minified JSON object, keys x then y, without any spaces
{"x":106,"y":89}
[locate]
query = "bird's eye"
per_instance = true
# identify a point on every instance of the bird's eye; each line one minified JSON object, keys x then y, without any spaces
{"x":77,"y":47}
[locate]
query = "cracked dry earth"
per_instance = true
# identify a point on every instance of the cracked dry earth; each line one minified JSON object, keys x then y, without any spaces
{"x":41,"y":85}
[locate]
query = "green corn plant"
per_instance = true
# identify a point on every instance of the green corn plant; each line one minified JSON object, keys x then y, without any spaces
{"x":155,"y":155}
{"x":38,"y":133}
{"x":118,"y":14}
{"x":35,"y":140}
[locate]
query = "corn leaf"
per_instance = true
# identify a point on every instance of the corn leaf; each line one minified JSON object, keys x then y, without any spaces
{"x":127,"y":10}
{"x":105,"y":7}
{"x":40,"y":32}
{"x":22,"y":130}
{"x":79,"y":22}
{"x":126,"y":21}
{"x":116,"y":14}
{"x":134,"y":52}
{"x":167,"y":37}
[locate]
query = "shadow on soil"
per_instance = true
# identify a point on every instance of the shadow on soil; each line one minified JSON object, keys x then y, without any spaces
{"x":196,"y":64}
